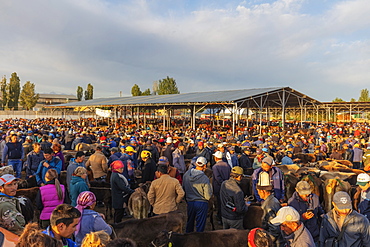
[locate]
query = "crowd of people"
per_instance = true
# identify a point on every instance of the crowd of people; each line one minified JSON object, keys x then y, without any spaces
{"x":126,"y":155}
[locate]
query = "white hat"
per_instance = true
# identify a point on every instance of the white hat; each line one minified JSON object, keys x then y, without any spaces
{"x":7,"y":179}
{"x":220,"y":145}
{"x":169,"y":140}
{"x":218,"y":155}
{"x":286,"y":214}
{"x":363,"y":178}
{"x":201,"y":161}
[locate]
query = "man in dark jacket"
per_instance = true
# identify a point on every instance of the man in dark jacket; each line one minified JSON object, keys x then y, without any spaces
{"x":355,"y":226}
{"x":308,"y":206}
{"x":221,"y":172}
{"x":244,"y":159}
{"x":202,"y":152}
{"x":13,"y":150}
{"x":33,"y":160}
{"x":233,"y":206}
{"x":348,"y":153}
{"x":270,"y":206}
{"x":198,"y":191}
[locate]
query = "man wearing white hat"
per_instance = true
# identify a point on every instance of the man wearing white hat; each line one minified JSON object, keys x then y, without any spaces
{"x":293,"y":230}
{"x":363,"y":182}
{"x":221,"y":172}
{"x":11,"y":217}
{"x":343,"y":225}
{"x":198,"y":191}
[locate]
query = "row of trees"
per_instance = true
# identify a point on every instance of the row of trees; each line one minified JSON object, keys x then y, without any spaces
{"x":11,"y":93}
{"x":364,"y":97}
{"x":89,"y":92}
{"x":164,"y":86}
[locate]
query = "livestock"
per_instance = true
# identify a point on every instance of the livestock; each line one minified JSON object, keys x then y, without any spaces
{"x":305,"y":158}
{"x":143,"y":231}
{"x":30,"y":193}
{"x":288,"y":168}
{"x":253,"y":217}
{"x":27,"y":208}
{"x":246,"y":185}
{"x":331,"y":187}
{"x":138,"y":204}
{"x":6,"y":170}
{"x":27,"y":183}
{"x":345,"y":176}
{"x":103,"y":194}
{"x":290,"y":182}
{"x":314,"y":182}
{"x":63,"y":178}
{"x":85,"y":147}
{"x":334,"y":166}
{"x":219,"y":238}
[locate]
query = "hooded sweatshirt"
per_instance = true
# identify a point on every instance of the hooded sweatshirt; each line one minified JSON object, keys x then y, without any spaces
{"x":196,"y":186}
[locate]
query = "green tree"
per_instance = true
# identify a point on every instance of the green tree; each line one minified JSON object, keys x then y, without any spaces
{"x":80,"y":92}
{"x":338,"y":100}
{"x":4,"y":93}
{"x":146,"y":92}
{"x":167,"y":86}
{"x":14,"y":91}
{"x":353,"y":100}
{"x":28,"y":97}
{"x":364,"y":95}
{"x":135,"y":90}
{"x":89,"y":92}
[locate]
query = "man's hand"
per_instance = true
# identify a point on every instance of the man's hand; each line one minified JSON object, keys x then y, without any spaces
{"x":45,"y":164}
{"x":42,"y":184}
{"x":307,"y":215}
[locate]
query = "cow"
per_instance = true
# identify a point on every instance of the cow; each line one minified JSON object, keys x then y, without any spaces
{"x":314,"y":182}
{"x":27,"y":209}
{"x":143,"y":231}
{"x":30,"y":193}
{"x":219,"y":238}
{"x":6,"y":170}
{"x":253,"y":217}
{"x":85,"y":147}
{"x":331,"y":187}
{"x":290,"y":182}
{"x":27,"y":183}
{"x":138,"y":204}
{"x":288,"y":168}
{"x":103,"y":194}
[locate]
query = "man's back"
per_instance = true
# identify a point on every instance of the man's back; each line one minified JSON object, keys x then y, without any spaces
{"x":98,"y":163}
{"x":164,"y":194}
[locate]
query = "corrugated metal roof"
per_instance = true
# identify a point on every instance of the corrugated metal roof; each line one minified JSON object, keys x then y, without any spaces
{"x":228,"y":96}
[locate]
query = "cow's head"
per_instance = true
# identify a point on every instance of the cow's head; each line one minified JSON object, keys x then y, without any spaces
{"x":163,"y":239}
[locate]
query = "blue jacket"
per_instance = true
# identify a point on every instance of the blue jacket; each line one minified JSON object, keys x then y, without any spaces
{"x":364,"y":208}
{"x":91,"y":221}
{"x":66,"y":241}
{"x":287,"y":161}
{"x":301,"y":206}
{"x":356,"y":234}
{"x":33,"y":161}
{"x":77,"y":186}
{"x":55,"y":163}
{"x":70,"y":170}
{"x":277,"y":180}
{"x":221,"y":172}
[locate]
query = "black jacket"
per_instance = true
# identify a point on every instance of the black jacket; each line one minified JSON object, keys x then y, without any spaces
{"x":231,"y":195}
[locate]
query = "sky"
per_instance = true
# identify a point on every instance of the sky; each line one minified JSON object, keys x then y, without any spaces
{"x":318,"y":47}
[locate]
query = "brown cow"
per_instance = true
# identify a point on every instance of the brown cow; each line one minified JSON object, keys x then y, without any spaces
{"x":314,"y":182}
{"x":143,"y":231}
{"x":103,"y":194}
{"x":219,"y":238}
{"x":30,"y":193}
{"x":331,"y":187}
{"x":290,"y":182}
{"x":138,"y":204}
{"x":253,"y":217}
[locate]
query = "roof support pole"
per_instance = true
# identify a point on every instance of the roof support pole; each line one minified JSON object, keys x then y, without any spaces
{"x":233,"y":115}
{"x":350,"y":113}
{"x":138,"y":117}
{"x":164,"y":118}
{"x":335,"y":114}
{"x":193,"y":117}
{"x":145,"y":119}
{"x":317,"y":115}
{"x":283,"y":104}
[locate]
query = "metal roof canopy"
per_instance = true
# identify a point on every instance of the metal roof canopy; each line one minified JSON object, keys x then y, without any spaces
{"x":274,"y":97}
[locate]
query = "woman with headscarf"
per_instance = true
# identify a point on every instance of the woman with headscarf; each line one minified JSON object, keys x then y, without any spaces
{"x":78,"y":184}
{"x":91,"y":221}
{"x":121,"y":190}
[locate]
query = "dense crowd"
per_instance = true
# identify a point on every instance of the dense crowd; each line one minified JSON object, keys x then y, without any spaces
{"x":126,"y":154}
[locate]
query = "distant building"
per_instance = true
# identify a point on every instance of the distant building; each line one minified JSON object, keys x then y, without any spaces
{"x":54,"y":99}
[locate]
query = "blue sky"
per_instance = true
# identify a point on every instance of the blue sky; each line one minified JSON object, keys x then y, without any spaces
{"x":319,"y":47}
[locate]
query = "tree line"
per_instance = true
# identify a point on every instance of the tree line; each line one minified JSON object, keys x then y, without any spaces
{"x":164,"y":86}
{"x":89,"y":92}
{"x":12,"y":94}
{"x":364,"y":97}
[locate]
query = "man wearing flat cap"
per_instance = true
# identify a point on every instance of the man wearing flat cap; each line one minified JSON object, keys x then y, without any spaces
{"x":308,"y":206}
{"x":276,"y":178}
{"x":233,"y":206}
{"x":344,"y":225}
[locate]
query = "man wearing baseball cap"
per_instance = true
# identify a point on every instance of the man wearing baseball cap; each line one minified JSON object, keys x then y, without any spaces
{"x":363,"y":182}
{"x":344,"y":225}
{"x":11,"y":217}
{"x":293,"y":230}
{"x":221,"y":172}
{"x":276,"y":176}
{"x":198,"y":191}
{"x":308,"y":206}
{"x":233,"y":206}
